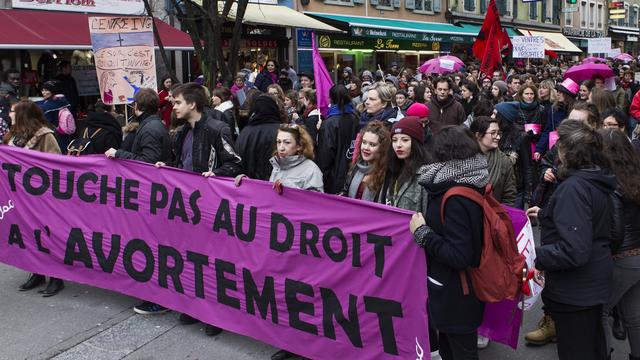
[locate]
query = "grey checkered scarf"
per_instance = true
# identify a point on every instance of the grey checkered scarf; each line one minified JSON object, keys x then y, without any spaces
{"x":471,"y":171}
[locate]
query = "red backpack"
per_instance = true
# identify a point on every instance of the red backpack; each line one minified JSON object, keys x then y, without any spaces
{"x":500,"y":273}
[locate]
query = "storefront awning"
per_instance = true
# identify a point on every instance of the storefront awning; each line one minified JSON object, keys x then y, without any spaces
{"x":476,"y":28}
{"x":624,"y":30}
{"x":399,"y":29}
{"x":276,"y":15}
{"x":57,"y":30}
{"x":554,"y":41}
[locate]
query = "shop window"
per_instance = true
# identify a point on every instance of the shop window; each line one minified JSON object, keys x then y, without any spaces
{"x":424,"y":6}
{"x":470,"y":5}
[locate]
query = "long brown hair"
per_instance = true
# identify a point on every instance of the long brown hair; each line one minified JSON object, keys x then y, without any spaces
{"x":625,"y":163}
{"x":379,"y":166}
{"x":29,"y":118}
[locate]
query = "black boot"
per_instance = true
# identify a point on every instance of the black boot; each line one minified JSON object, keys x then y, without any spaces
{"x":54,"y":287}
{"x":617,"y":329}
{"x":34,"y":280}
{"x":211,"y":330}
{"x":282,"y":354}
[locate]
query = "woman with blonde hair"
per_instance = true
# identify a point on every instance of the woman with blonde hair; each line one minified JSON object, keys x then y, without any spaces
{"x":30,"y":130}
{"x":379,"y":106}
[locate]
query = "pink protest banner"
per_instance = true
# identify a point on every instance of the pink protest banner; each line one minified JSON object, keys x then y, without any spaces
{"x":536,"y":129}
{"x":319,"y":275}
{"x":501,"y":322}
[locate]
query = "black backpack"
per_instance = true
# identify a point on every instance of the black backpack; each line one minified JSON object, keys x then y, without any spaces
{"x":82,"y":145}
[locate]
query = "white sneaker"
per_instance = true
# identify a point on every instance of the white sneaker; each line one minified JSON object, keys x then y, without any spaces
{"x":483,"y":342}
{"x":435,"y":355}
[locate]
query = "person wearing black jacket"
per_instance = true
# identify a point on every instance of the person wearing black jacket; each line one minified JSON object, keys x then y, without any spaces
{"x":267,"y":76}
{"x":68,"y":86}
{"x":256,"y":140}
{"x":203,"y":145}
{"x":453,"y":244}
{"x":575,"y":253}
{"x":625,"y":243}
{"x":151,"y":142}
{"x":336,"y":140}
{"x":103,"y":129}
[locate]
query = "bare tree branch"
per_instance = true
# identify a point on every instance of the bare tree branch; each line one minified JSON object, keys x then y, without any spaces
{"x":156,"y":34}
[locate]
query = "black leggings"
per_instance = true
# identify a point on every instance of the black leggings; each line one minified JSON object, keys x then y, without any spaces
{"x":459,"y":346}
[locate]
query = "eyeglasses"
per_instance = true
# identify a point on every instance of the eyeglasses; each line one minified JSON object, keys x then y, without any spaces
{"x":495,"y":134}
{"x":610,"y":126}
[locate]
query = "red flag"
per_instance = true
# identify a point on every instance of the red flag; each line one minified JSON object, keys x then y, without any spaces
{"x":499,"y":38}
{"x":491,"y":19}
{"x":491,"y":58}
{"x":551,"y":53}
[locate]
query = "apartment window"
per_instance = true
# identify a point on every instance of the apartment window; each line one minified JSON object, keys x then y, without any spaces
{"x":544,"y":11}
{"x":568,"y":19}
{"x":583,"y":14}
{"x":624,"y":21}
{"x":483,"y":6}
{"x":385,"y":4}
{"x":424,"y":6}
{"x":555,"y":12}
{"x":470,"y":5}
{"x":341,"y":2}
{"x":533,"y":10}
{"x":592,"y":15}
{"x":600,"y":13}
{"x":502,"y":6}
{"x":513,"y":10}
{"x":633,"y":17}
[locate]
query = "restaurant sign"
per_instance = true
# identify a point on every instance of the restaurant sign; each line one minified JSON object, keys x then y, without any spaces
{"x":407,"y":35}
{"x":346,"y":42}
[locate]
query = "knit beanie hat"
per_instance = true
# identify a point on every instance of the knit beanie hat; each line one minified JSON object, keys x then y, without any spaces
{"x":501,"y":85}
{"x":508,"y":110}
{"x":367,"y":73}
{"x":419,"y":110}
{"x":410,"y":125}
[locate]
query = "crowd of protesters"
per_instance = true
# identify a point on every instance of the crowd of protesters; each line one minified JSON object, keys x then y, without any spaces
{"x":567,"y":152}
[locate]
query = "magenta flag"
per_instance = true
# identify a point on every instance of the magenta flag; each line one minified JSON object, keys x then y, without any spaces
{"x":322,"y":79}
{"x":322,"y":276}
{"x":501,"y":322}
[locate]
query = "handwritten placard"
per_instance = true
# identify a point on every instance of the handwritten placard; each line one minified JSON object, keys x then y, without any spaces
{"x":528,"y":47}
{"x":124,"y":54}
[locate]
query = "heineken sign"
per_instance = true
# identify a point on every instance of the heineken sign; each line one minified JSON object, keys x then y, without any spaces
{"x":346,"y":42}
{"x":407,"y":35}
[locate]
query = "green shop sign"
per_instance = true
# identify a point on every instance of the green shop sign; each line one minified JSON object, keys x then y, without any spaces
{"x":407,"y":35}
{"x":345,"y":42}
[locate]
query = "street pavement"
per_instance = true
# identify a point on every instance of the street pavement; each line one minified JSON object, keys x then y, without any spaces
{"x":84,"y":322}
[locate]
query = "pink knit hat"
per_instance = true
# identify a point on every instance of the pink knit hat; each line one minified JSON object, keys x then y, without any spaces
{"x":419,"y":110}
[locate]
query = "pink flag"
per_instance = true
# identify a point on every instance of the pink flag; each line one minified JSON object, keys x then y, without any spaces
{"x":322,"y":79}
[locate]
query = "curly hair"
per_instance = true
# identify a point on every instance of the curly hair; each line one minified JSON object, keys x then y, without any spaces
{"x":625,"y":163}
{"x":579,"y":146}
{"x":302,"y":138}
